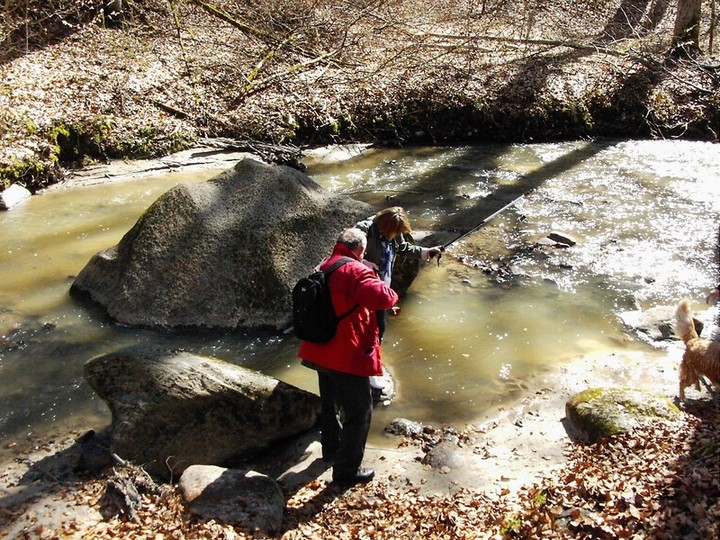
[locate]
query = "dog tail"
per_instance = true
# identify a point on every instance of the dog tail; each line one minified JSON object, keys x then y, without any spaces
{"x":684,"y":325}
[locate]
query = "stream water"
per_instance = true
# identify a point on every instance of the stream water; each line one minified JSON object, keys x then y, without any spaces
{"x":474,"y":331}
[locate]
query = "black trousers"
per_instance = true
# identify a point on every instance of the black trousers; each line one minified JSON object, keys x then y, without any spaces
{"x":346,"y":413}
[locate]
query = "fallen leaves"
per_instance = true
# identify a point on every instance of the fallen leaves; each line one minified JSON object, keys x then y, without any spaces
{"x":652,"y":483}
{"x":660,"y":482}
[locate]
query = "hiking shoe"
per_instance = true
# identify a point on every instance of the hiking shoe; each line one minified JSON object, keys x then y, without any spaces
{"x":361,"y":476}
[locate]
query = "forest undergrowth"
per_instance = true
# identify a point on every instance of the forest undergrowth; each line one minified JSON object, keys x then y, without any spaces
{"x":83,"y":84}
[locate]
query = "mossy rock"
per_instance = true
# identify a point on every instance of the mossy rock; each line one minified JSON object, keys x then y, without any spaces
{"x":603,"y":412}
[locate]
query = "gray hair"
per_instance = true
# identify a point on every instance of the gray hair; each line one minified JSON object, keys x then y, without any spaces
{"x":352,"y":238}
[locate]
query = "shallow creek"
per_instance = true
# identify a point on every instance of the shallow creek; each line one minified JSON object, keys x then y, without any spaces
{"x":474,"y":331}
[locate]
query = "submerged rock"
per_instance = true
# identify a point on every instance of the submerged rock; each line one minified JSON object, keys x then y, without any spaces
{"x":562,"y":238}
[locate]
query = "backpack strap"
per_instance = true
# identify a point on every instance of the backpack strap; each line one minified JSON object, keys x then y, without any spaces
{"x":334,"y":266}
{"x":337,"y":264}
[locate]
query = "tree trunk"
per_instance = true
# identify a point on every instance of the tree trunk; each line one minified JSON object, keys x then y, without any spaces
{"x":113,"y":12}
{"x":713,"y":22}
{"x":686,"y":35}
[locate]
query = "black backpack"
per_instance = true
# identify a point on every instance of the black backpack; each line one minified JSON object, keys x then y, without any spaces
{"x":314,"y":318}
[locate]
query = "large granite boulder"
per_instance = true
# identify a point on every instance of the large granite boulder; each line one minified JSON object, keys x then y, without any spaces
{"x":172,"y":409}
{"x":223,"y":254}
{"x":603,"y":412}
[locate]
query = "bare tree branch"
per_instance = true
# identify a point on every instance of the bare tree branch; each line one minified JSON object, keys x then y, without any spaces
{"x":252,"y":31}
{"x":253,"y":88}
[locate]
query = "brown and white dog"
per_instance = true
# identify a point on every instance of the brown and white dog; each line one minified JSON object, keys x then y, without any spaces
{"x":701,"y":357}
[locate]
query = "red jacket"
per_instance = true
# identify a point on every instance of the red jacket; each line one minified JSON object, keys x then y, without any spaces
{"x":355,"y":349}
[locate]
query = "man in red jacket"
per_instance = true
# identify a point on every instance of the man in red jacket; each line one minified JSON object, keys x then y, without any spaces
{"x":346,"y":363}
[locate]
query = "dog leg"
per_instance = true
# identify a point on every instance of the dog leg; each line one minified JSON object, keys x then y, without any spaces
{"x":681,"y":380}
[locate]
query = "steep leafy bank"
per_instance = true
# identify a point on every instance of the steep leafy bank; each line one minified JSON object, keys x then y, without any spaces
{"x":80,"y":85}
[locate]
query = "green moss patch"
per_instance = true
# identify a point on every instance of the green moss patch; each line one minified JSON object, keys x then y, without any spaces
{"x":603,"y":412}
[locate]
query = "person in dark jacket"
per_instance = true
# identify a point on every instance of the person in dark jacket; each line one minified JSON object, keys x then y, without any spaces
{"x":385,"y":240}
{"x":346,"y":363}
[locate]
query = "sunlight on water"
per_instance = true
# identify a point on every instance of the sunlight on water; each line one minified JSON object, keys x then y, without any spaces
{"x":644,"y":215}
{"x":457,"y":349}
{"x":644,"y":212}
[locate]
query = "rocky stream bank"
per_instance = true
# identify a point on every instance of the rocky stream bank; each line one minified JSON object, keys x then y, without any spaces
{"x":396,"y":74}
{"x":517,"y":471}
